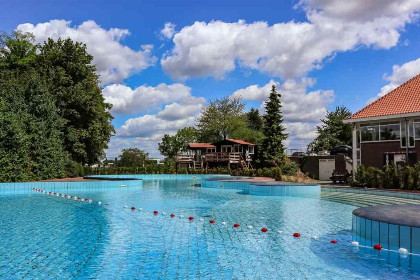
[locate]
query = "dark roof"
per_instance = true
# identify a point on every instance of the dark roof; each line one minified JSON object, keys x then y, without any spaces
{"x":404,"y":99}
{"x":201,"y":145}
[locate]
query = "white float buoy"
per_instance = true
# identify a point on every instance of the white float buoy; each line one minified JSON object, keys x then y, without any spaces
{"x":280,"y":231}
{"x":315,"y":237}
{"x":224,"y":223}
{"x":163,"y":213}
{"x":99,"y":203}
{"x":355,"y":243}
{"x":90,"y":200}
{"x":125,"y":206}
{"x":403,"y":251}
{"x":140,"y":209}
{"x":250,"y":227}
{"x":201,"y":219}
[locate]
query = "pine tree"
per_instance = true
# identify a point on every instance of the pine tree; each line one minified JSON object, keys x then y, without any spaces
{"x":274,"y":132}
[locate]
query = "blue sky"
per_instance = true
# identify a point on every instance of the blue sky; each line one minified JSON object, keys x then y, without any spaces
{"x":320,"y":54}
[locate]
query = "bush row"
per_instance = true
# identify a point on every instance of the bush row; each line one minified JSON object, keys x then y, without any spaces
{"x":289,"y":168}
{"x":391,"y":177}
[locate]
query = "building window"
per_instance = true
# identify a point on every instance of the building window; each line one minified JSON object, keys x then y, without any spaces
{"x":251,"y":150}
{"x":211,"y":150}
{"x":417,"y":129}
{"x":390,"y":131}
{"x":410,"y":134}
{"x":369,"y":133}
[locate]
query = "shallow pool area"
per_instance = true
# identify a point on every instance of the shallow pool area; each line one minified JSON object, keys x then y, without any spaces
{"x":50,"y":237}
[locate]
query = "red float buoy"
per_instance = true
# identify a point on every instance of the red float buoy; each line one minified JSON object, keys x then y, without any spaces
{"x":334,"y":241}
{"x":190,"y":218}
{"x":236,"y":225}
{"x":172,"y":215}
{"x":212,"y":221}
{"x":133,"y":208}
{"x":296,"y":234}
{"x":264,"y":229}
{"x":155,"y":212}
{"x":377,"y":247}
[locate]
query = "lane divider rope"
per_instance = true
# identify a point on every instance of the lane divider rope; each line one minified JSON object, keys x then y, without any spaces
{"x":377,"y":247}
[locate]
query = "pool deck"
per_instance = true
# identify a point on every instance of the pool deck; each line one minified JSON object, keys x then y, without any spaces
{"x":400,"y":214}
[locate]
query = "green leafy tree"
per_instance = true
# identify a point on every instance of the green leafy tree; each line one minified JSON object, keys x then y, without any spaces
{"x":333,"y":131}
{"x":72,"y":79}
{"x":220,"y":119}
{"x":17,"y":50}
{"x":170,"y":146}
{"x":31,"y":146}
{"x":274,"y":133}
{"x":132,"y":157}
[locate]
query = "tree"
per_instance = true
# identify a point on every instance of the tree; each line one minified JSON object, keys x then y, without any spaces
{"x":71,"y":78}
{"x":333,"y":131}
{"x":31,"y":146}
{"x":170,"y":146}
{"x":132,"y":157}
{"x":274,"y":133}
{"x":17,"y":50}
{"x":220,"y":119}
{"x":255,"y":121}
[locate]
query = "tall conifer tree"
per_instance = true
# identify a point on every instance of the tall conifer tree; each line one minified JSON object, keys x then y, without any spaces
{"x":272,"y":153}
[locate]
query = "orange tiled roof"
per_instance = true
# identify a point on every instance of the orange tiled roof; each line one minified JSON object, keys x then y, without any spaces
{"x":201,"y":145}
{"x":402,"y":100}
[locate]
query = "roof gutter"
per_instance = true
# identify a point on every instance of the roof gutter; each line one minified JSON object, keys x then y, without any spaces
{"x":379,"y":118}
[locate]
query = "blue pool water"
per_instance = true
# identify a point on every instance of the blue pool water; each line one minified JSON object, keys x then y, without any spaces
{"x":46,"y":237}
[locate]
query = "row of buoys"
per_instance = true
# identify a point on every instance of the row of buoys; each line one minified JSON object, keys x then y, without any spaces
{"x":264,"y":229}
{"x":71,"y":197}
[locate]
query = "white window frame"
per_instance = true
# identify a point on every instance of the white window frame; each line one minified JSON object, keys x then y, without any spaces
{"x":225,"y":147}
{"x":407,"y":140}
{"x":251,"y":152}
{"x":414,"y":128}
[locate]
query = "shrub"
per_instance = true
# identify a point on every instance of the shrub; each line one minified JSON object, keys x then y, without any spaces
{"x":391,"y":178}
{"x":290,"y":168}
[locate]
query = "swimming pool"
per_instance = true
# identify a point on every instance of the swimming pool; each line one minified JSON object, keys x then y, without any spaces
{"x":47,"y":237}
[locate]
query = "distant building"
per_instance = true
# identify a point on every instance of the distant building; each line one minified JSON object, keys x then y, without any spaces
{"x":388,"y":130}
{"x":230,"y":153}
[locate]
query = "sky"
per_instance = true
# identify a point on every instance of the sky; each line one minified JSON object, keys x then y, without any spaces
{"x":161,"y":62}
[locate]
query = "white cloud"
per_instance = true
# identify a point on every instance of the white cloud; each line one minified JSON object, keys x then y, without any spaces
{"x":168,"y":30}
{"x":176,"y":111}
{"x":400,"y":74}
{"x":146,"y":132}
{"x":292,"y":49}
{"x":302,"y":110}
{"x":115,"y":61}
{"x":295,"y":99}
{"x":146,"y":98}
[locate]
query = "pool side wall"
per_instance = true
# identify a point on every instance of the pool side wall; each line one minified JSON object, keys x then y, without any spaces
{"x":25,"y":187}
{"x":369,"y":232}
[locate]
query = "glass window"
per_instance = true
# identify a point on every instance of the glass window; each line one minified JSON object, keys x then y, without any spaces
{"x":390,"y":131}
{"x":410,"y":134}
{"x":251,"y":149}
{"x":369,"y":133}
{"x":417,"y":129}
